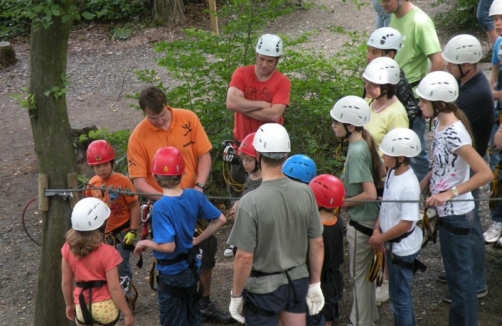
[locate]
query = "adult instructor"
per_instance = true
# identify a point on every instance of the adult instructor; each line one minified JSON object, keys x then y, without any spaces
{"x":257,"y":94}
{"x":166,"y":126}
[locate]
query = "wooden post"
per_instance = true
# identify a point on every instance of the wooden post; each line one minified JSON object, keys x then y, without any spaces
{"x":43,"y":183}
{"x":73,"y":184}
{"x":7,"y":55}
{"x":212,"y":15}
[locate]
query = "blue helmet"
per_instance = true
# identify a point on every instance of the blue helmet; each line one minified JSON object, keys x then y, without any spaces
{"x":300,"y":167}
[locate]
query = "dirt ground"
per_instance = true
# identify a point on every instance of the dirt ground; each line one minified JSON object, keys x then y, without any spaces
{"x":101,"y":73}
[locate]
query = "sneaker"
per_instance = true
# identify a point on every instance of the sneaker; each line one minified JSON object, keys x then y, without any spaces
{"x":382,"y":292}
{"x":493,"y":233}
{"x":211,"y":313}
{"x":441,"y":277}
{"x":229,"y":252}
{"x":480,"y":295}
{"x":498,"y":244}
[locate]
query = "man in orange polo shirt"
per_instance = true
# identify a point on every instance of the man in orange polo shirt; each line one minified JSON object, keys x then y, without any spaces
{"x":165,"y":126}
{"x":257,"y":94}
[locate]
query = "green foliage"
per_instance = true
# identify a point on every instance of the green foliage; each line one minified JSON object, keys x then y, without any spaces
{"x":122,"y":33}
{"x":58,"y":91}
{"x":462,"y":15}
{"x":15,"y":15}
{"x":25,"y":100}
{"x":203,"y":64}
{"x":117,"y":139}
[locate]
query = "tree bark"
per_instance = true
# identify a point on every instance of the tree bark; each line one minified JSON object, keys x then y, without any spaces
{"x":54,"y":149}
{"x":167,"y":12}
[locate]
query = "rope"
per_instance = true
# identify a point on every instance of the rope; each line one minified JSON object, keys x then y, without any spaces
{"x":22,"y":220}
{"x":229,"y":180}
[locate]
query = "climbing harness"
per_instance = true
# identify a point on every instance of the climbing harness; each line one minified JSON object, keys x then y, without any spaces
{"x":87,"y":312}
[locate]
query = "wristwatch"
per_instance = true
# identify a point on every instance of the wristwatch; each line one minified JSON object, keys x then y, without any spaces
{"x":455,"y":192}
{"x":200,"y":185}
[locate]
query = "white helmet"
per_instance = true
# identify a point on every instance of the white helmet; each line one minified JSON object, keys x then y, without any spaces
{"x":385,"y":38}
{"x":352,"y":110}
{"x":383,"y":70}
{"x":463,"y":48}
{"x":438,"y":86}
{"x":270,"y":45}
{"x":272,"y":140}
{"x":495,"y":8}
{"x":400,"y":142}
{"x":89,"y":214}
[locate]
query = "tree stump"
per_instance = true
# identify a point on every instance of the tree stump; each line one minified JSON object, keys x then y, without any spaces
{"x":7,"y":55}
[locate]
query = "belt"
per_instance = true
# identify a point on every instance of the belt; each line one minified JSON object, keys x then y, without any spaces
{"x":361,"y":228}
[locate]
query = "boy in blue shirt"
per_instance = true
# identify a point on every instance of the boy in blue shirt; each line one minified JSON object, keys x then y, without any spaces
{"x":174,"y":219}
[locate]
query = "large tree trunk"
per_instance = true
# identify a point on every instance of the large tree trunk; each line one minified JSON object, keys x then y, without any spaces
{"x":168,"y":12}
{"x":54,"y":150}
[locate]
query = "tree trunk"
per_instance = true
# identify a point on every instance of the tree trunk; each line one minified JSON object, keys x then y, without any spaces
{"x":54,"y":149}
{"x":167,"y":12}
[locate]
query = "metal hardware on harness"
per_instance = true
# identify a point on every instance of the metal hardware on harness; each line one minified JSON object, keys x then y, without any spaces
{"x":377,"y":265}
{"x":229,"y":154}
{"x":130,"y":292}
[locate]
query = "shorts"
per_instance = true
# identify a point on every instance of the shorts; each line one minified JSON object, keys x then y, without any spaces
{"x":104,"y":312}
{"x":208,"y":247}
{"x":282,"y":299}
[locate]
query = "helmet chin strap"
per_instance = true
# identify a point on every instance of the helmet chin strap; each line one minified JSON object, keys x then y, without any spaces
{"x":399,"y":4}
{"x":397,"y":165}
{"x":348,"y":133}
{"x":462,"y":74}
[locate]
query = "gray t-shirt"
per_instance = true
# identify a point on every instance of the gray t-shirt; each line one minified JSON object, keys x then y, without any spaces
{"x":275,"y":222}
{"x":356,"y":170}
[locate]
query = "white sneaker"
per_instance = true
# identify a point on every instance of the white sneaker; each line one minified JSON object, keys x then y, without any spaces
{"x":382,"y":292}
{"x":229,"y":252}
{"x":493,"y":233}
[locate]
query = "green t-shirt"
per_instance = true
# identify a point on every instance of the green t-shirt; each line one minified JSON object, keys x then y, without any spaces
{"x":275,"y":222}
{"x":356,"y":170}
{"x":419,"y":41}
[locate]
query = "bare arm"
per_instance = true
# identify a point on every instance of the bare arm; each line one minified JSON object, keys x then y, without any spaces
{"x":377,"y":239}
{"x":273,"y":113}
{"x":203,"y":168}
{"x":112,"y":280}
{"x":135,"y":214}
{"x":259,"y":110}
{"x":67,"y":288}
{"x":163,"y":247}
{"x":369,"y":193}
{"x":213,"y":226}
{"x":243,"y":263}
{"x":497,"y":138}
{"x":493,"y":82}
{"x":316,"y":259}
{"x":437,"y":61}
{"x":424,"y":183}
{"x":142,"y":186}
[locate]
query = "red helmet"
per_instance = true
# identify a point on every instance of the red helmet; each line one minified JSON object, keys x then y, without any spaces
{"x":99,"y":152}
{"x":329,"y":191}
{"x":246,"y":146}
{"x":168,"y":161}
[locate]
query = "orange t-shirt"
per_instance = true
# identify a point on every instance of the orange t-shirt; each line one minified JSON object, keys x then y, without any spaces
{"x":185,"y":133}
{"x":118,"y":203}
{"x":92,"y":267}
{"x":275,"y":90}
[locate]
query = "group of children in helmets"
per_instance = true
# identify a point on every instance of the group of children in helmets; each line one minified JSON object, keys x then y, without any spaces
{"x":376,"y":161}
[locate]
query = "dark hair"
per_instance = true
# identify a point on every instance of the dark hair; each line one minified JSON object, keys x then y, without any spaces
{"x":385,"y":52}
{"x":388,"y":89}
{"x":376,"y":164}
{"x":168,"y":181}
{"x":443,"y":107}
{"x":272,"y":162}
{"x":153,"y":99}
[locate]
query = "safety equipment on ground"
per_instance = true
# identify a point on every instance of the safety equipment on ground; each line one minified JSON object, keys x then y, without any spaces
{"x":463,"y":48}
{"x":269,"y":45}
{"x":89,"y":214}
{"x":236,"y":307}
{"x":495,"y":8}
{"x":300,"y":167}
{"x":130,"y":292}
{"x":168,"y":161}
{"x":383,"y":70}
{"x":351,"y":110}
{"x":272,"y":140}
{"x":385,"y":38}
{"x":438,"y":86}
{"x":377,"y":266}
{"x":246,"y":146}
{"x":329,"y":191}
{"x":131,"y":237}
{"x":99,"y":152}
{"x":315,"y":299}
{"x":400,"y":142}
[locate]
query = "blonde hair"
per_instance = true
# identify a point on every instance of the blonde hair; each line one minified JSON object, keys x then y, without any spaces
{"x":82,"y":243}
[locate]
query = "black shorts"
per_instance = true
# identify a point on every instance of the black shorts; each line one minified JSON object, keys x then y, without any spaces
{"x":208,"y":247}
{"x":282,"y":299}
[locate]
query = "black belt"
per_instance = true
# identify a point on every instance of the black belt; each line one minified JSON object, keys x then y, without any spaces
{"x":453,"y":229}
{"x":361,"y":228}
{"x":189,"y":257}
{"x":402,"y":236}
{"x":415,"y":83}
